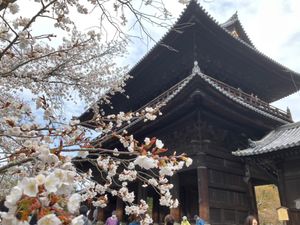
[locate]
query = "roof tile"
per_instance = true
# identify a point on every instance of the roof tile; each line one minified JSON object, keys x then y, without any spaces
{"x":284,"y":137}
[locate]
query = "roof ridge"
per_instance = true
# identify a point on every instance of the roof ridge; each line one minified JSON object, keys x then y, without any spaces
{"x":288,"y":126}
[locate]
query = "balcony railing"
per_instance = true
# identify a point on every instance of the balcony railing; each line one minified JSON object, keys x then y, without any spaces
{"x":250,"y":99}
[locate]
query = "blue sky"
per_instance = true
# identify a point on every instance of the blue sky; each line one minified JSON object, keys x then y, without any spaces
{"x":273,"y":27}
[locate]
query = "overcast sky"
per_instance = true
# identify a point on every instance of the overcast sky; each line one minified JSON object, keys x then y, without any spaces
{"x":272,"y":25}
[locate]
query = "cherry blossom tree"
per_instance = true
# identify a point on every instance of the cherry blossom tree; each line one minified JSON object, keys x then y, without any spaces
{"x":38,"y":176}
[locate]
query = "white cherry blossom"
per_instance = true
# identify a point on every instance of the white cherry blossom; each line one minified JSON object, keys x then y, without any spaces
{"x":188,"y":162}
{"x":14,"y":196}
{"x":30,"y":186}
{"x":51,"y":183}
{"x":40,"y":179}
{"x":74,"y":202}
{"x":159,"y":143}
{"x":147,"y":141}
{"x":145,"y":162}
{"x":166,"y":171}
{"x":50,"y":219}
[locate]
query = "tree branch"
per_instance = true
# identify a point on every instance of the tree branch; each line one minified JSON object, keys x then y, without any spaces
{"x":12,"y":164}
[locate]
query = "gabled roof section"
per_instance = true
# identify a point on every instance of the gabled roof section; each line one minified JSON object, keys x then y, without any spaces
{"x":282,"y":138}
{"x":235,"y":28}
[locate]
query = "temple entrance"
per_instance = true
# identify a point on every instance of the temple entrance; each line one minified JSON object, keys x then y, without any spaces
{"x":267,"y":201}
{"x":188,"y":197}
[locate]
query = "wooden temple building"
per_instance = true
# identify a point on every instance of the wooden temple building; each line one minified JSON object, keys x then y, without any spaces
{"x":216,"y":88}
{"x":279,"y":153}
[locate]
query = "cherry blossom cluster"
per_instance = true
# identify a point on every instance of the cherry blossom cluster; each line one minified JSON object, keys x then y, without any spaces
{"x":47,"y":179}
{"x":81,"y":60}
{"x":38,"y":151}
{"x":49,"y":197}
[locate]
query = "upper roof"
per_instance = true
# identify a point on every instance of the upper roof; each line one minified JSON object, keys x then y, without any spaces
{"x":229,"y":59}
{"x":284,"y":137}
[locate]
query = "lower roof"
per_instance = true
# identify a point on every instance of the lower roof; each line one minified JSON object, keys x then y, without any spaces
{"x":237,"y":97}
{"x":283,"y":137}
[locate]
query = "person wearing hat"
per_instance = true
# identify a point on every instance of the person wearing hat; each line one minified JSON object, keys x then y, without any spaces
{"x":185,"y":221}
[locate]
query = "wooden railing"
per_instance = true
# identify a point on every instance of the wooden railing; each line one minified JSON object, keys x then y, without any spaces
{"x":251,"y":99}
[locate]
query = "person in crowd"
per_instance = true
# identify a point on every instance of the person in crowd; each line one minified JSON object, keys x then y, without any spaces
{"x":83,"y":210}
{"x":198,"y":220}
{"x":251,"y":220}
{"x":169,"y":220}
{"x":134,"y":220}
{"x":113,"y":220}
{"x":95,"y":215}
{"x":185,"y":221}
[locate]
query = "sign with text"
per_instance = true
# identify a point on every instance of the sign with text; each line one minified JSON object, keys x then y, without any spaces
{"x":282,"y":213}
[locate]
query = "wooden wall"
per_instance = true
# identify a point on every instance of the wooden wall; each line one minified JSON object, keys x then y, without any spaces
{"x":209,"y":142}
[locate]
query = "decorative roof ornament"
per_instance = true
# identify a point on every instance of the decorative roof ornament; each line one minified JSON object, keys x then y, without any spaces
{"x":234,"y":33}
{"x":235,"y":28}
{"x":196,"y":68}
{"x":252,"y":144}
{"x":234,"y":18}
{"x":288,"y":112}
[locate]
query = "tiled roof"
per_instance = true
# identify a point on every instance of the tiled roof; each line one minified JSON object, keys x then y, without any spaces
{"x":286,"y":136}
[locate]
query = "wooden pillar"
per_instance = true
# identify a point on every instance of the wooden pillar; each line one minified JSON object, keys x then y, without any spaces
{"x":203,"y":200}
{"x":252,"y":196}
{"x":120,"y":209}
{"x":281,"y":186}
{"x":282,"y":194}
{"x":175,"y":212}
{"x":251,"y":191}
